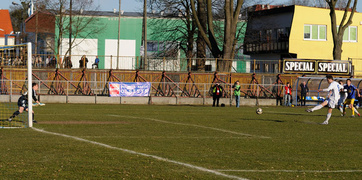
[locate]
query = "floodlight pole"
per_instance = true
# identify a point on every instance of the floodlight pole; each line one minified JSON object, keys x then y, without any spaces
{"x":70,"y":30}
{"x":30,"y":88}
{"x":119,"y":27}
{"x":145,"y":34}
{"x":36,"y":29}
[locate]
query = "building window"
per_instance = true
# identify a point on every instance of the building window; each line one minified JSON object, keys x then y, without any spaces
{"x":350,"y":34}
{"x":255,"y":66}
{"x":315,"y":32}
{"x":269,"y":33}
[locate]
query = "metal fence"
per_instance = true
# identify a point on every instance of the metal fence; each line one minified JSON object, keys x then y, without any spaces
{"x":42,"y":61}
{"x":162,"y":89}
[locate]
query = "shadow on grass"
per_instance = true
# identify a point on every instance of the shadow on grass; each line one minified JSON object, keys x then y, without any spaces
{"x":268,"y":120}
{"x":294,"y":114}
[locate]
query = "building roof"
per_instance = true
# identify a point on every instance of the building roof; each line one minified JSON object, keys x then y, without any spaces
{"x":161,"y":14}
{"x":5,"y":23}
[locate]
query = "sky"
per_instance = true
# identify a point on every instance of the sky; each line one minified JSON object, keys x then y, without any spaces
{"x":131,"y":5}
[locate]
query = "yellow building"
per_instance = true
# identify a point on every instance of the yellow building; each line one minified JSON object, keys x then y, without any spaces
{"x":301,"y":32}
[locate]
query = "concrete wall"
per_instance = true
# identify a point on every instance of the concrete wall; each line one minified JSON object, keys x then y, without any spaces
{"x":141,"y":100}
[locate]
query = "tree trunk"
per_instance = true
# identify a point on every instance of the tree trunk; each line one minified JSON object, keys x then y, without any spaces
{"x":189,"y":51}
{"x":224,"y":65}
{"x":231,"y":18}
{"x":337,"y":48}
{"x":338,"y":34}
{"x":201,"y":45}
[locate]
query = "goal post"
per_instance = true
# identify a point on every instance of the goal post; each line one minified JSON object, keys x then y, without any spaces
{"x":30,"y":81}
{"x":13,"y":57}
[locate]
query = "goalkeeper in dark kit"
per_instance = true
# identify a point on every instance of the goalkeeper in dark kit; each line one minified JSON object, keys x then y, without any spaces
{"x":23,"y":103}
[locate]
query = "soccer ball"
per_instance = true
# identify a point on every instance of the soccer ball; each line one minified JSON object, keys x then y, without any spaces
{"x":259,"y":111}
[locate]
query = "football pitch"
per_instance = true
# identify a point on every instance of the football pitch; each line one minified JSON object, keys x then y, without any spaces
{"x":81,"y":141}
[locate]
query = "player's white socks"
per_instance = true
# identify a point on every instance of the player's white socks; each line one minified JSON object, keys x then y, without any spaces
{"x":355,"y":110}
{"x":341,"y":108}
{"x":328,"y":117}
{"x":317,"y":108}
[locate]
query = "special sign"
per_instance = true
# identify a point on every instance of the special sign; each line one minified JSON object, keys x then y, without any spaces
{"x":316,"y":66}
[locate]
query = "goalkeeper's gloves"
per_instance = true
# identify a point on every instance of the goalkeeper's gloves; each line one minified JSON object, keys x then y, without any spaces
{"x":38,"y":104}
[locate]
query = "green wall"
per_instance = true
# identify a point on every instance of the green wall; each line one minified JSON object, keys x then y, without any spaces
{"x":158,"y":29}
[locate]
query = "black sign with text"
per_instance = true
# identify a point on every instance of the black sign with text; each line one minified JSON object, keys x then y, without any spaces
{"x":316,"y":66}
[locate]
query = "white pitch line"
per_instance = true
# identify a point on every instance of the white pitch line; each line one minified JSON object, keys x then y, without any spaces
{"x":143,"y":154}
{"x":290,"y":171}
{"x":163,"y":137}
{"x":193,"y":125}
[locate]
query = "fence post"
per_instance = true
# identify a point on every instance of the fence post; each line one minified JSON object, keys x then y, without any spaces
{"x":231,"y":95}
{"x":203,"y":99}
{"x":111,"y":61}
{"x":164,"y":64}
{"x":66,"y":97}
{"x":216,"y":64}
{"x":190,"y":64}
{"x":11,"y":88}
{"x":257,"y":96}
{"x":254,"y":65}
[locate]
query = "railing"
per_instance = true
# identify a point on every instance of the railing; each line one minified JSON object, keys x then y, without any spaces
{"x":274,"y":46}
{"x":152,"y":64}
{"x":164,"y":89}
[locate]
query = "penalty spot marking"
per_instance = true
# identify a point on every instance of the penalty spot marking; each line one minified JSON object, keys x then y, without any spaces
{"x":290,"y":171}
{"x":142,"y":154}
{"x":193,"y":125}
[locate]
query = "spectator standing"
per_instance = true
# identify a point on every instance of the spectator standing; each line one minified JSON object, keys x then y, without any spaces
{"x":217,"y":91}
{"x":38,"y":61}
{"x":279,"y":92}
{"x":96,"y":62}
{"x":83,"y":62}
{"x":288,"y":95}
{"x":236,"y":87}
{"x":303,"y":93}
{"x":53,"y":62}
{"x":68,"y":63}
{"x":47,"y":61}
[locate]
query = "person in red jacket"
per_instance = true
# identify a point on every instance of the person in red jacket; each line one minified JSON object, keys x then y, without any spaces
{"x":288,"y":95}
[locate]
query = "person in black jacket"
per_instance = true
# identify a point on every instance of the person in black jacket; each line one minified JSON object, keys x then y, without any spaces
{"x":217,"y":91}
{"x":303,"y":93}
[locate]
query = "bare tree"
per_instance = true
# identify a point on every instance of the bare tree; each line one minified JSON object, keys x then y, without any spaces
{"x":200,"y":42}
{"x":18,"y":14}
{"x":179,"y":33}
{"x":226,"y":48}
{"x":83,"y":22}
{"x":338,"y":29}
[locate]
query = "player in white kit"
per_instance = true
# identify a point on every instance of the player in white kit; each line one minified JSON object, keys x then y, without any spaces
{"x":332,"y":100}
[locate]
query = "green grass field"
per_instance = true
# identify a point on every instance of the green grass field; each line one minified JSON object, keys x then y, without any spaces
{"x":74,"y":141}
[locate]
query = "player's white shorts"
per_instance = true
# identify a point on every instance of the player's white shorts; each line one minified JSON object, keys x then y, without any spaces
{"x":331,"y":103}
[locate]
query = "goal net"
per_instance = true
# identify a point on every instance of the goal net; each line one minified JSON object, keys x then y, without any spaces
{"x":12,"y":87}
